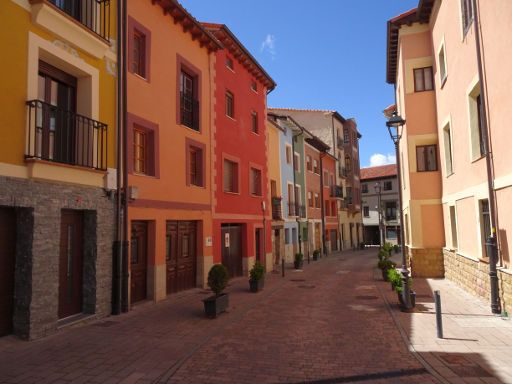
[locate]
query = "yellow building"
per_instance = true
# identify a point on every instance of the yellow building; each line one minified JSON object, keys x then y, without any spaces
{"x":57,"y":163}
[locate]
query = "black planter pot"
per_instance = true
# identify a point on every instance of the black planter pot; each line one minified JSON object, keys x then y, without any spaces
{"x":384,"y":274}
{"x":298,"y":264}
{"x":315,"y":257}
{"x":412,"y":296}
{"x":215,"y":305}
{"x":257,"y":285}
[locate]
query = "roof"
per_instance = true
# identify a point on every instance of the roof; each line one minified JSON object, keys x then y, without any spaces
{"x":378,"y":172}
{"x":324,"y":111}
{"x":238,"y":50}
{"x":421,"y":14}
{"x":189,"y":24}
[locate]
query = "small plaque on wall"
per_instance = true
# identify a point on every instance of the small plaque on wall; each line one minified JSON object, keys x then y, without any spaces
{"x":208,"y":241}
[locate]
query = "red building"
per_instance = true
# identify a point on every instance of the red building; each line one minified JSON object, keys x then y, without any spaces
{"x":241,"y":208}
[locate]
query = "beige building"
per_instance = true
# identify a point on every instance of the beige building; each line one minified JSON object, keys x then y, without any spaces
{"x":452,"y":83}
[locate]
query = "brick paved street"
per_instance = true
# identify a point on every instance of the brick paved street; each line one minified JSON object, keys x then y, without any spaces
{"x":329,"y":323}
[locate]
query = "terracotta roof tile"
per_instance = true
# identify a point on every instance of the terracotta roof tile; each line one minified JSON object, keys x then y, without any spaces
{"x":378,"y":172}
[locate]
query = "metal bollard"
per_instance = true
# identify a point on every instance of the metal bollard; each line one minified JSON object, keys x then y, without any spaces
{"x":439,"y":318}
{"x":282,"y":267}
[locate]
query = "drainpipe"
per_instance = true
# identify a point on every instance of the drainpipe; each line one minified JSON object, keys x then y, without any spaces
{"x":294,"y":181}
{"x":125,"y":275}
{"x":491,"y":243}
{"x":322,"y":207}
{"x":117,"y":246}
{"x":336,"y":174}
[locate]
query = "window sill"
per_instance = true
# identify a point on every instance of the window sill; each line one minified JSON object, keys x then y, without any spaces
{"x":450,"y":174}
{"x":231,"y":118}
{"x":476,"y":159}
{"x":443,"y":81}
{"x":231,"y":193}
{"x":255,"y":196}
{"x":140,"y":77}
{"x":144,"y":175}
{"x":191,"y":129}
{"x":255,"y":133}
{"x":196,"y":186}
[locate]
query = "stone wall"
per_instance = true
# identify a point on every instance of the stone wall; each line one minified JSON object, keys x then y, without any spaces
{"x":426,"y":262}
{"x":39,"y":206}
{"x":473,"y":276}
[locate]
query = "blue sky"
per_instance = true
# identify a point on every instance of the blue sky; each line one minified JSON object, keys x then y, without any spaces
{"x":323,"y":54}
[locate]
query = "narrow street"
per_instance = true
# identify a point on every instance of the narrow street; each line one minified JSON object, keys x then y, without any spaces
{"x":327,"y":324}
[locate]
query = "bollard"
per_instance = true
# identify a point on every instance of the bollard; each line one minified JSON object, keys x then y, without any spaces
{"x":282,"y":267}
{"x":439,"y":319}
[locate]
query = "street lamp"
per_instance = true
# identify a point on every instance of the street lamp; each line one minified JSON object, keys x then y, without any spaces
{"x":378,"y":190}
{"x":395,"y":126}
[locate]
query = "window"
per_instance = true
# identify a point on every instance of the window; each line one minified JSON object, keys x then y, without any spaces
{"x":294,"y":235}
{"x":310,"y":199}
{"x":327,"y":208}
{"x":140,"y":151}
{"x":485,"y":224}
{"x":315,"y":167}
{"x":366,"y":211}
{"x":189,"y":106}
{"x":139,"y":44}
{"x":255,"y":184}
{"x":139,"y":53}
{"x":448,"y":159}
{"x":391,"y":233}
{"x":317,"y":200}
{"x":287,"y":236}
{"x":288,"y":154}
{"x":364,"y":188}
{"x":296,"y":162}
{"x":467,"y":14}
{"x":229,"y":63}
{"x":254,"y":86}
{"x":326,"y":179}
{"x":423,"y":80}
{"x":475,"y":123}
{"x":230,"y":105}
{"x":333,"y":208}
{"x":309,"y":167}
{"x":388,"y":186}
{"x":453,"y":225}
{"x":195,"y":163}
{"x":390,"y":210}
{"x":426,"y":158}
{"x":346,"y":136}
{"x":348,"y":164}
{"x":254,"y":122}
{"x":442,"y":65}
{"x":230,"y":176}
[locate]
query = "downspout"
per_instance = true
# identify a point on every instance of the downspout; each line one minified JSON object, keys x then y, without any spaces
{"x":125,"y":273}
{"x":294,"y":182}
{"x":335,"y":152}
{"x":491,"y":243}
{"x":322,"y":205}
{"x":117,"y":246}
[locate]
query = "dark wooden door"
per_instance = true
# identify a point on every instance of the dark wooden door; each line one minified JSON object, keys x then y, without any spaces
{"x":138,"y":261}
{"x":71,"y":263}
{"x":7,"y":260}
{"x":258,"y":239}
{"x":334,"y":240}
{"x":231,"y":243}
{"x":181,"y":255}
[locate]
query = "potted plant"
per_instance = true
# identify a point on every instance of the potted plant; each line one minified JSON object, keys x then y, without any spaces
{"x":299,"y":261}
{"x":217,"y":281}
{"x":394,"y":278}
{"x":399,"y":291}
{"x":316,"y":254}
{"x":385,"y":265}
{"x":256,"y":277}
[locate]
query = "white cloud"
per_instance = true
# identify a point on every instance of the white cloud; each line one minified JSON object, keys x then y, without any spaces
{"x":379,"y":159}
{"x":269,"y":45}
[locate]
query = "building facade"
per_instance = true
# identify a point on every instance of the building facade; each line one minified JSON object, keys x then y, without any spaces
{"x":380,"y":205}
{"x":57,"y":165}
{"x":169,"y":134}
{"x":461,"y":74}
{"x":241,"y":207}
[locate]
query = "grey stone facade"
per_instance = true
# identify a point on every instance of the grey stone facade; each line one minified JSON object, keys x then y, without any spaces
{"x":38,"y":216}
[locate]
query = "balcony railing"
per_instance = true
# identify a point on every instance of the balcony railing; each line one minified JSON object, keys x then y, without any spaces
{"x":65,"y":137}
{"x":296,"y":209}
{"x":277,"y":211}
{"x":337,"y":191}
{"x":189,"y":111}
{"x":93,"y":14}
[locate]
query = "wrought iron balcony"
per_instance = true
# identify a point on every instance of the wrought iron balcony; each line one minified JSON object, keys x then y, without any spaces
{"x":277,"y":211}
{"x":65,"y":137}
{"x":93,"y":14}
{"x":189,"y":111}
{"x":296,"y":209}
{"x":337,"y":191}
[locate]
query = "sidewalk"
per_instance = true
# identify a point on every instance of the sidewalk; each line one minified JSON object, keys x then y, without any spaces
{"x":477,"y":345}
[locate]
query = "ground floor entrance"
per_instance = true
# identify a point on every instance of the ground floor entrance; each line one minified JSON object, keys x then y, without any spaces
{"x":181,"y":255}
{"x":138,"y":261}
{"x":333,"y":237}
{"x":231,"y":245}
{"x":7,"y":263}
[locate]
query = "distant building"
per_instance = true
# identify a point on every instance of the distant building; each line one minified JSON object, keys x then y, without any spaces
{"x":379,"y":193}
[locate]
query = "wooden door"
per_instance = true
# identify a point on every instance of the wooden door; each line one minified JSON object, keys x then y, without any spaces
{"x":318,"y":240}
{"x":334,"y":240}
{"x":138,"y":261}
{"x":181,"y":255}
{"x":71,"y":263}
{"x":258,"y":240}
{"x":7,"y":260}
{"x":231,"y":243}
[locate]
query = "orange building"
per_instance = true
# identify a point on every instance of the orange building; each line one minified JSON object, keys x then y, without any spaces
{"x":169,"y":135}
{"x":330,"y":193}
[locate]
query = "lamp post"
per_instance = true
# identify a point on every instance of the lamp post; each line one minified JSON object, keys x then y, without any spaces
{"x":395,"y":126}
{"x":378,"y":191}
